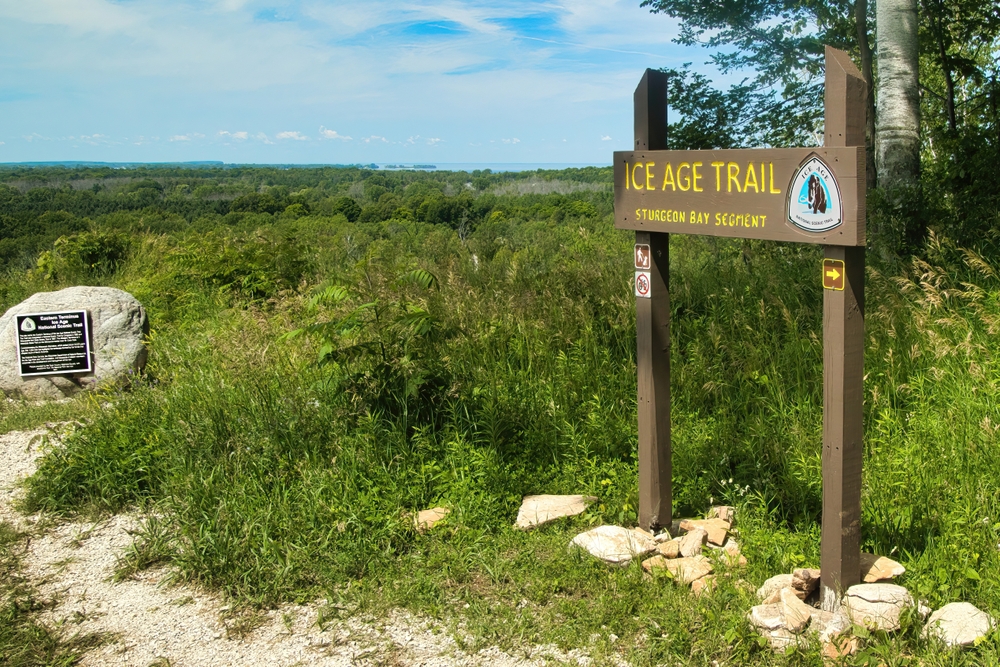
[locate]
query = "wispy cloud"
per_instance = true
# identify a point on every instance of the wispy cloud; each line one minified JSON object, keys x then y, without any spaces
{"x":423,"y":70}
{"x":332,"y":134}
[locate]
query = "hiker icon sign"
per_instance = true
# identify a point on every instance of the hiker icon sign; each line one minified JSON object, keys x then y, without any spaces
{"x":814,"y":202}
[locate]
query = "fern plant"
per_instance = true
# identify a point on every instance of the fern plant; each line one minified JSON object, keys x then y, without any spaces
{"x":384,"y":350}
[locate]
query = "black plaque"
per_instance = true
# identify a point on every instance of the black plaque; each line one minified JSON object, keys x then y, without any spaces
{"x":53,"y":343}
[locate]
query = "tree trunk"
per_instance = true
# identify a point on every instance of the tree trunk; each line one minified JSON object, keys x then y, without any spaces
{"x":861,"y":23}
{"x":897,"y":134}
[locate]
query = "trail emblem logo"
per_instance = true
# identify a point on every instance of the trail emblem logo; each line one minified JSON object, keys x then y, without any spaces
{"x":814,"y":203}
{"x":28,"y":325}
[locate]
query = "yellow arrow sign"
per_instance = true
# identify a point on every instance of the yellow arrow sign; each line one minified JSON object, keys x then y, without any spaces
{"x":833,"y":273}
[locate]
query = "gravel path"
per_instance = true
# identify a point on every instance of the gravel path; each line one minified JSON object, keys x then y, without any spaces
{"x":146,"y":622}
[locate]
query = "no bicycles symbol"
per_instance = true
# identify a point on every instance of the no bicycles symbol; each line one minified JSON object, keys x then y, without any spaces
{"x":642,"y":284}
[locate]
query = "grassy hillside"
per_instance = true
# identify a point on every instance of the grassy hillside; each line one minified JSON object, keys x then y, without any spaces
{"x":334,"y":349}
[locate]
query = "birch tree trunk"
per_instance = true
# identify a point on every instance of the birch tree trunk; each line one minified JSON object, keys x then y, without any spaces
{"x":897,"y":132}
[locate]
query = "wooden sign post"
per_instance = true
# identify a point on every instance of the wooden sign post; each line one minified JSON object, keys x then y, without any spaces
{"x":801,"y":195}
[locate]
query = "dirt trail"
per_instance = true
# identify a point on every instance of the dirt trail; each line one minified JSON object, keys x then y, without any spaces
{"x":146,"y":622}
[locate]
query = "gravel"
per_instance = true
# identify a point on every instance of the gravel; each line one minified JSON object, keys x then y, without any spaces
{"x":146,"y":621}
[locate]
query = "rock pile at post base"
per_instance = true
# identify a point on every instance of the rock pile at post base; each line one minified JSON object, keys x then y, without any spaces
{"x":682,"y":559}
{"x":118,"y":327}
{"x":788,"y":613}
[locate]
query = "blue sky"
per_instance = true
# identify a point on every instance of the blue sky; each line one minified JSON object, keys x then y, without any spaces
{"x":323,"y":81}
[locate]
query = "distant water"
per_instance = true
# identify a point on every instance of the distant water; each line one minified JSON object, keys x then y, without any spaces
{"x":388,"y":166}
{"x":492,"y":166}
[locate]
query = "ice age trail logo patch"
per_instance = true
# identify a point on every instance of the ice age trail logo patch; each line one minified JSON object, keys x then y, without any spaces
{"x":28,"y":325}
{"x":814,"y":203}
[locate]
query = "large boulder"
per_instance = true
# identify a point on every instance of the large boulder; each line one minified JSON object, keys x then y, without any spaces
{"x":877,"y":606}
{"x":614,"y":544}
{"x":118,"y":327}
{"x":959,"y":624}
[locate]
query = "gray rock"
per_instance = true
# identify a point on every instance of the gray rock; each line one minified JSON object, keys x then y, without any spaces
{"x":877,"y":606}
{"x":959,"y":624}
{"x":118,"y":326}
{"x":537,"y":510}
{"x":614,"y":544}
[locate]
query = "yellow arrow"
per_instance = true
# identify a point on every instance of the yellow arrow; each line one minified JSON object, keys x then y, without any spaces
{"x":833,"y":273}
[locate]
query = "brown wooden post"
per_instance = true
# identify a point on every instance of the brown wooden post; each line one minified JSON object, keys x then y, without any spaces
{"x":652,"y":322}
{"x":843,"y":356}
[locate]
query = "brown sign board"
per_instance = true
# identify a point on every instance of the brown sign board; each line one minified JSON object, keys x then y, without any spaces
{"x":804,"y":195}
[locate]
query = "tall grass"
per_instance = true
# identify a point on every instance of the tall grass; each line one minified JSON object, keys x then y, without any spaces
{"x":273,"y":477}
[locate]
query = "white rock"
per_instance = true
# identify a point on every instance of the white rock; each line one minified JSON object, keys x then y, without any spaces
{"x":829,"y":624}
{"x":959,"y":624}
{"x":663,"y":536}
{"x":767,"y":616}
{"x":684,"y":570}
{"x":877,"y":606}
{"x":537,"y":510}
{"x":773,"y":585}
{"x":118,"y":327}
{"x":879,"y":568}
{"x":427,"y":519}
{"x":692,"y":543}
{"x":796,"y":612}
{"x":717,"y":529}
{"x":614,"y":544}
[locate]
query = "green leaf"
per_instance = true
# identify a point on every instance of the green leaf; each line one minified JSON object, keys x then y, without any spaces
{"x":971,"y":574}
{"x":419,"y":277}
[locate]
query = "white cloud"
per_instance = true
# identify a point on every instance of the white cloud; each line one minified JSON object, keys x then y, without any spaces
{"x":332,"y":134}
{"x":34,"y":135}
{"x":94,"y":139}
{"x":1,"y":143}
{"x":375,"y":138}
{"x":434,"y":140}
{"x":511,"y":141}
{"x":605,"y":138}
{"x":292,"y":134}
{"x":186,"y":137}
{"x":260,"y":136}
{"x":242,"y":136}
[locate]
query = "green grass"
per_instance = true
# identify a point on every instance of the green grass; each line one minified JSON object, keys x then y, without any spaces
{"x":278,"y":478}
